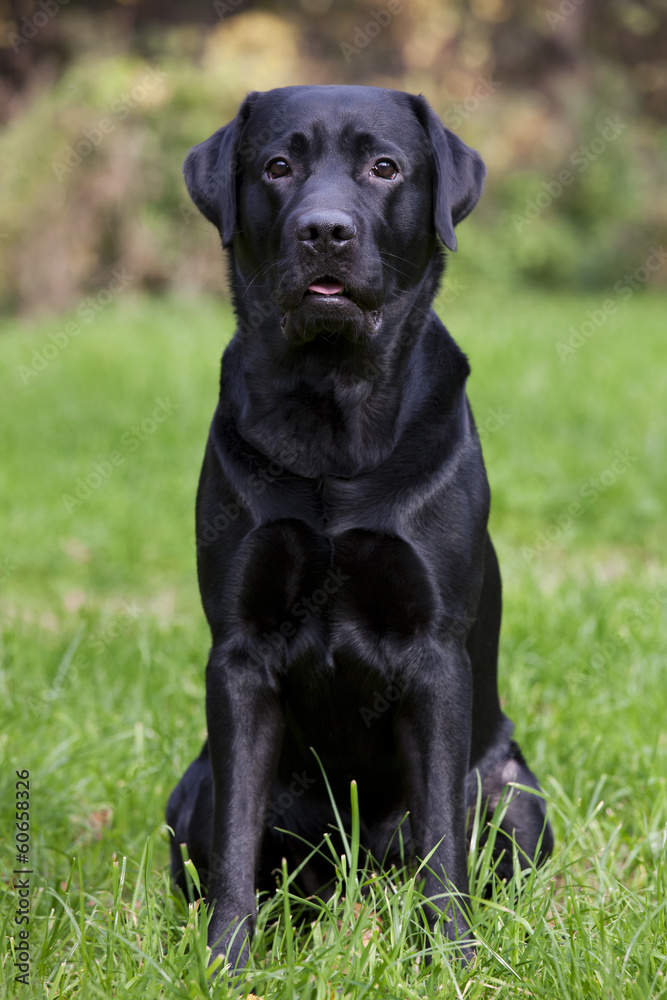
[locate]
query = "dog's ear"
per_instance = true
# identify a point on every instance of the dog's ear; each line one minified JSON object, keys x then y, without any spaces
{"x":211,"y":169}
{"x":458,"y":174}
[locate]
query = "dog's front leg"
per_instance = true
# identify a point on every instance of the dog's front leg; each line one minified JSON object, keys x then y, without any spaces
{"x":245,"y":727}
{"x":433,"y":731}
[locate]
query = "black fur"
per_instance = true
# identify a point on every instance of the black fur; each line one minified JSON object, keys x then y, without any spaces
{"x":350,"y":585}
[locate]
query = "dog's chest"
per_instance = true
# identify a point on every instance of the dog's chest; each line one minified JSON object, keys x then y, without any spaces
{"x":299,"y":587}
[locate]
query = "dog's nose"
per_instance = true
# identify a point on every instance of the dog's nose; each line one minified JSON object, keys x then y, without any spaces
{"x":324,"y":231}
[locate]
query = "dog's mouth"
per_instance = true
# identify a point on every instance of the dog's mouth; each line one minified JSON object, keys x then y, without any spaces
{"x":329,"y":307}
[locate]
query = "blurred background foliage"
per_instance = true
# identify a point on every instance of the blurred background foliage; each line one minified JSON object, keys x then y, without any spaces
{"x":100,"y":101}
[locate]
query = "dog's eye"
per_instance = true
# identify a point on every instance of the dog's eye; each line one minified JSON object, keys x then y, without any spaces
{"x":386,"y":169}
{"x":278,"y":168}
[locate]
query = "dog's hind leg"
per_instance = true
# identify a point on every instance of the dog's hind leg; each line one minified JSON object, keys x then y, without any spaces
{"x":190,"y":816}
{"x":511,"y":785}
{"x":495,"y":757}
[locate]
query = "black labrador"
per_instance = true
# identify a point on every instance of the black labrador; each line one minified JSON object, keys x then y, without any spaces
{"x":346,"y":572}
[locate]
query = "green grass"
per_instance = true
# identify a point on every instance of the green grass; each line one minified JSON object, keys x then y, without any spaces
{"x":104,"y":644}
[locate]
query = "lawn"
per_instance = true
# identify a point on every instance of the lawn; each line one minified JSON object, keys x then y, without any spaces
{"x":103,"y":427}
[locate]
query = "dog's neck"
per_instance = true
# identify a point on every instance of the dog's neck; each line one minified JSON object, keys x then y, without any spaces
{"x":316,"y":408}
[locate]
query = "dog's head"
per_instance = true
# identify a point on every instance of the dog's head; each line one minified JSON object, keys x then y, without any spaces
{"x":332,"y":199}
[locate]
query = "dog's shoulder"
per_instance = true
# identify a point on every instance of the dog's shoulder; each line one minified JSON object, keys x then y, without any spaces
{"x":443,"y":369}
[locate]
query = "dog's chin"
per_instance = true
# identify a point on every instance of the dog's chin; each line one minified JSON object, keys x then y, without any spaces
{"x":330,"y":319}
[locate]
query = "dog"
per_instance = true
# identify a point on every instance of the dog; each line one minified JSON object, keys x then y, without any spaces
{"x":346,"y":572}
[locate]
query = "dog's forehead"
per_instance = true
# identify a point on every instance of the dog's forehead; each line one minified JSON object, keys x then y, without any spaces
{"x":323,"y":113}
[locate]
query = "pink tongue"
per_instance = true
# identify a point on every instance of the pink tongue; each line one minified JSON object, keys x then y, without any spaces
{"x":326,"y":287}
